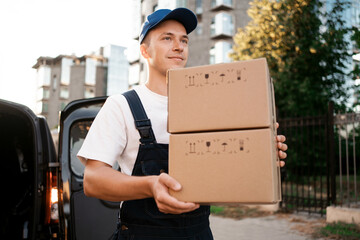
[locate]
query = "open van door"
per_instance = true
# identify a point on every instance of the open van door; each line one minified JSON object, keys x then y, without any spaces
{"x":85,"y":217}
{"x":29,"y":168}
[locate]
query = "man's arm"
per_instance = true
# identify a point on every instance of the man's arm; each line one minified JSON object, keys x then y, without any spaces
{"x":103,"y":182}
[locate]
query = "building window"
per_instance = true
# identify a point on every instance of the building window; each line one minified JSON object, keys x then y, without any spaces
{"x":222,"y":24}
{"x":219,"y":53}
{"x":224,"y":49}
{"x":181,"y":3}
{"x":43,"y":93}
{"x":90,"y":71}
{"x":217,"y":3}
{"x":43,"y":76}
{"x":199,"y":29}
{"x":89,"y":92}
{"x":42,"y":107}
{"x":198,"y":7}
{"x":64,"y":92}
{"x":117,"y":71}
{"x":66,"y":64}
{"x":62,"y":105}
{"x":212,"y":55}
{"x":212,"y":27}
{"x":45,"y":108}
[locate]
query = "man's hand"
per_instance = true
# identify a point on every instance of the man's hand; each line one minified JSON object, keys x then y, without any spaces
{"x":282,"y":147}
{"x":167,"y":203}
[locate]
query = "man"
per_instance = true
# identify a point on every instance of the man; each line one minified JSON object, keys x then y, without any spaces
{"x":148,"y":211}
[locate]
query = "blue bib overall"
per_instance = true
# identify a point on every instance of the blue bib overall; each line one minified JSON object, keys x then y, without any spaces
{"x":141,"y":219}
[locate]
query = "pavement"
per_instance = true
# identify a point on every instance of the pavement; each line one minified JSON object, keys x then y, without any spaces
{"x":278,"y":226}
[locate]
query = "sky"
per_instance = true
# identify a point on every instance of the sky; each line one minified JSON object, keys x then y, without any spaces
{"x":33,"y":28}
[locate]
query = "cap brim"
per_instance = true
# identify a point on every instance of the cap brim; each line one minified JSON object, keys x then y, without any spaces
{"x":184,"y":16}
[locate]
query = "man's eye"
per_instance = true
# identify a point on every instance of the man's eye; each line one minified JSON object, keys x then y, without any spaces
{"x":167,"y":38}
{"x":185,"y":41}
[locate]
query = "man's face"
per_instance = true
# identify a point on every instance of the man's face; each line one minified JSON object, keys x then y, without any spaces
{"x":167,"y":46}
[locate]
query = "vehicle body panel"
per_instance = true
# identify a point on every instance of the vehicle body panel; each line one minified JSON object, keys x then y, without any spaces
{"x":29,"y":135}
{"x":88,"y":218}
{"x":25,"y":134}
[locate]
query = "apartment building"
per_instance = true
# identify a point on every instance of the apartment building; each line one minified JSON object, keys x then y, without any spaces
{"x":67,"y":77}
{"x":209,"y":43}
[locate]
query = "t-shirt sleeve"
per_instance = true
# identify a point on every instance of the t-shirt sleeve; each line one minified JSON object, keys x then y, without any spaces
{"x":106,"y":138}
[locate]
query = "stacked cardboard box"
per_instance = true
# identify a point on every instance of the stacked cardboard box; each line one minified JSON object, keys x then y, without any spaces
{"x":222,"y":124}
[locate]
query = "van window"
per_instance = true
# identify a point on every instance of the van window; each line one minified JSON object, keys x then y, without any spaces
{"x":78,"y":133}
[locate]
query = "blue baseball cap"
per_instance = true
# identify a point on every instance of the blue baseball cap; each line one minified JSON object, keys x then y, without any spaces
{"x":183,"y":15}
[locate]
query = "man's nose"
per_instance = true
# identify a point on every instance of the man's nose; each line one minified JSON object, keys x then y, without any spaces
{"x":178,"y":46}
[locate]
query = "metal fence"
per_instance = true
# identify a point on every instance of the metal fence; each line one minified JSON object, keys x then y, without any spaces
{"x":347,"y":130}
{"x":321,"y":165}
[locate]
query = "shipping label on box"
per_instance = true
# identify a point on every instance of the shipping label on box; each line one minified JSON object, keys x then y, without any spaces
{"x":226,"y":167}
{"x":225,"y":96}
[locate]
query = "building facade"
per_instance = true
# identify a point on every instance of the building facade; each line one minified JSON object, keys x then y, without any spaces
{"x":66,"y":78}
{"x":117,"y":69}
{"x":351,"y":18}
{"x":209,"y":43}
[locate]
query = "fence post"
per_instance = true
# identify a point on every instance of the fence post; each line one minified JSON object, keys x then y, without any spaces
{"x":331,"y":153}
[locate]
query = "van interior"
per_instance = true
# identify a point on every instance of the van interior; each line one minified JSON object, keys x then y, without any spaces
{"x":17,"y":158}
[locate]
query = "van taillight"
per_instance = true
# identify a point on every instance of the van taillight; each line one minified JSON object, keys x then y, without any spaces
{"x":52,"y":195}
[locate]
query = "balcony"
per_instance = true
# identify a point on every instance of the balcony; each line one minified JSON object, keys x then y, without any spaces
{"x":221,"y":36}
{"x":222,"y":26}
{"x":221,"y":5}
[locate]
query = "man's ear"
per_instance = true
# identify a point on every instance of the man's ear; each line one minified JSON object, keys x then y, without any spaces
{"x":144,"y":50}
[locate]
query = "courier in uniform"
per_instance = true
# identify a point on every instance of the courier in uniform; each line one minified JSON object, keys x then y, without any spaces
{"x":131,"y":129}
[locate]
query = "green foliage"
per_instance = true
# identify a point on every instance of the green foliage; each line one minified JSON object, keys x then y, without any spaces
{"x":356,"y":37}
{"x":305,"y":50}
{"x":216,"y":209}
{"x":237,"y":211}
{"x":340,"y":231}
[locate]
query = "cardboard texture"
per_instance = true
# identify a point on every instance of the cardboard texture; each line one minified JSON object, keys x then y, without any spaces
{"x":223,"y":135}
{"x":220,"y":97}
{"x":226,"y":167}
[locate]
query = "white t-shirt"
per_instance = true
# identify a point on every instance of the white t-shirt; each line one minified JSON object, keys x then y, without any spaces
{"x":113,"y":136}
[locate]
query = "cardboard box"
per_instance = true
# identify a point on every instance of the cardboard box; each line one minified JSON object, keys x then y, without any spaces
{"x":220,"y":97}
{"x":226,"y":167}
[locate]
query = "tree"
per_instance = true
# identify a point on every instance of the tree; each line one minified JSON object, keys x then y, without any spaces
{"x":305,"y":49}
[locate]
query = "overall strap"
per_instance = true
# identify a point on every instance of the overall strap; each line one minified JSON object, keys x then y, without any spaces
{"x":142,"y":122}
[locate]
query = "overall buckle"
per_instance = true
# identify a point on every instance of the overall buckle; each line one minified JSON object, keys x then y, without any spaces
{"x":145,"y":130}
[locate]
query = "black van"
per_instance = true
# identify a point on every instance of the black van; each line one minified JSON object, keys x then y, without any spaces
{"x":42,"y":192}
